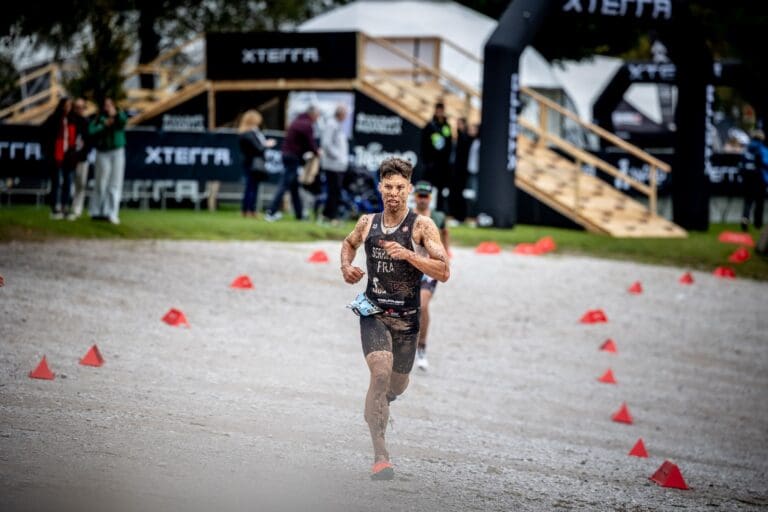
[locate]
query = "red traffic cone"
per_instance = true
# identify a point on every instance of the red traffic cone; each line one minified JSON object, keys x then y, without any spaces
{"x":668,"y":475}
{"x":488,"y":248}
{"x":42,"y":371}
{"x":622,"y":415}
{"x":545,"y":245}
{"x":731,"y":237}
{"x":527,"y":249}
{"x":318,"y":257}
{"x":725,"y":272}
{"x":686,"y":278}
{"x":175,"y":318}
{"x":609,"y":346}
{"x":92,"y":357}
{"x":639,"y":449}
{"x":242,"y":282}
{"x":607,"y":377}
{"x":740,"y":255}
{"x":636,"y":288}
{"x":594,"y":316}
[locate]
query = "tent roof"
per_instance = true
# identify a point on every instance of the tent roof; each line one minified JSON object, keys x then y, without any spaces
{"x":449,"y":20}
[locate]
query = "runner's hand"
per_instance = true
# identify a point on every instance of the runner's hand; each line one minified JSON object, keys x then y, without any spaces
{"x":395,"y":250}
{"x":352,"y":274}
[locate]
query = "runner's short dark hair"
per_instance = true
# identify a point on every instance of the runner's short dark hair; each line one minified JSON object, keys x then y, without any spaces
{"x":394,"y":165}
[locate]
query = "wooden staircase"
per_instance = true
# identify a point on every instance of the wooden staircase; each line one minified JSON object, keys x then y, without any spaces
{"x":558,"y":181}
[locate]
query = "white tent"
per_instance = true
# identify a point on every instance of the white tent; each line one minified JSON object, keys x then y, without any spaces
{"x":449,"y":20}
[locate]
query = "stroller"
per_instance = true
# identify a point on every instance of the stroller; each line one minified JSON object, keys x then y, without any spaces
{"x":360,"y":194}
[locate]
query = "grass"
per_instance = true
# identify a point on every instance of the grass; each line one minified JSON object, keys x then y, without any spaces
{"x":700,"y":251}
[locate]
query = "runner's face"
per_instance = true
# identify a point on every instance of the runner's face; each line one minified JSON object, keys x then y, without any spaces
{"x":422,"y":201}
{"x":394,"y":191}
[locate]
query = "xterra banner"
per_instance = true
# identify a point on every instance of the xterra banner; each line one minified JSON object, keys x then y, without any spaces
{"x":277,"y":55}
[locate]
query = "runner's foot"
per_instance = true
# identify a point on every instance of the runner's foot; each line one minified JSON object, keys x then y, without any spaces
{"x":421,"y":359}
{"x":382,"y":470}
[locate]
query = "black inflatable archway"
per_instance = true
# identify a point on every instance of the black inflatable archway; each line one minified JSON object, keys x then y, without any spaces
{"x":501,"y":98}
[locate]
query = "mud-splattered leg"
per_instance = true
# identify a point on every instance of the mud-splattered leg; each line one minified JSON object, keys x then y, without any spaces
{"x":376,"y":403}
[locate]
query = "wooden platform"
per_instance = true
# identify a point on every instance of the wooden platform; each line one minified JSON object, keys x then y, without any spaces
{"x":601,"y":208}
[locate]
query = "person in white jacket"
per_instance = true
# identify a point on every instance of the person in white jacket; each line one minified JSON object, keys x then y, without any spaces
{"x":334,"y":161}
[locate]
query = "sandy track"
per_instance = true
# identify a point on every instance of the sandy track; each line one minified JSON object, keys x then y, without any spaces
{"x":258,"y":406}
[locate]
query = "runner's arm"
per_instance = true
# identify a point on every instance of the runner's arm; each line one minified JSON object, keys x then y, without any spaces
{"x":349,"y":249}
{"x":435,"y":264}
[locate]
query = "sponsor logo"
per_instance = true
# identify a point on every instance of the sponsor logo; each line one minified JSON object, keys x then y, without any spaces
{"x":641,"y":174}
{"x":380,"y":125}
{"x":647,"y":71}
{"x":514,"y":105}
{"x":371,"y":156}
{"x":377,"y":288}
{"x":280,"y":55}
{"x":184,"y":122}
{"x":656,"y":9}
{"x":14,"y":150}
{"x":182,"y":155}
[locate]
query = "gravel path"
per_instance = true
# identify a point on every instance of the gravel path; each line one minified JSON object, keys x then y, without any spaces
{"x":258,"y":406}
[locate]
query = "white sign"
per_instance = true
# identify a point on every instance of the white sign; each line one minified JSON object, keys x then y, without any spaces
{"x":194,"y":122}
{"x":657,"y":9}
{"x":21,"y":150}
{"x":514,"y":104}
{"x":280,"y":55}
{"x":181,"y":155}
{"x":371,"y":156}
{"x":381,"y":125}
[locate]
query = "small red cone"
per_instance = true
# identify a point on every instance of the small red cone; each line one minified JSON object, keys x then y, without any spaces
{"x":725,"y":272}
{"x":42,"y":371}
{"x":527,"y":249}
{"x":594,"y":316}
{"x":740,"y":255}
{"x":731,"y":237}
{"x":609,"y":346}
{"x":636,"y":288}
{"x":175,"y":318}
{"x":93,"y":357}
{"x":668,"y":475}
{"x":318,"y":257}
{"x":639,"y":449}
{"x":622,"y":415}
{"x":242,"y":282}
{"x":607,"y":377}
{"x":488,"y":248}
{"x":686,"y":278}
{"x":546,"y":244}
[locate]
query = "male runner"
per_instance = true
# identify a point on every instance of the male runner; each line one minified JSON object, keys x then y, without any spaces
{"x":400,"y":246}
{"x":423,"y":192}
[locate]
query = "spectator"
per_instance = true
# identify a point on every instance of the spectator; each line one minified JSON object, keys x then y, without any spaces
{"x":108,"y":132}
{"x":473,"y":173}
{"x":334,"y":161}
{"x":436,"y":146}
{"x":456,"y":202}
{"x":754,"y":177}
{"x":83,"y":147}
{"x":299,"y":139}
{"x":253,"y":144}
{"x":60,"y":135}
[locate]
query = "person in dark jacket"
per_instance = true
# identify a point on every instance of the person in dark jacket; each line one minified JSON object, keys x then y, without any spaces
{"x":299,"y":139}
{"x":83,"y":148}
{"x":253,"y":144}
{"x":456,"y":202}
{"x":436,"y":147}
{"x":754,"y":177}
{"x":59,"y":140}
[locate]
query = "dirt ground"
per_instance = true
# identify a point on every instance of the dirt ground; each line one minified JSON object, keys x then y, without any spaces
{"x":259,"y":404}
